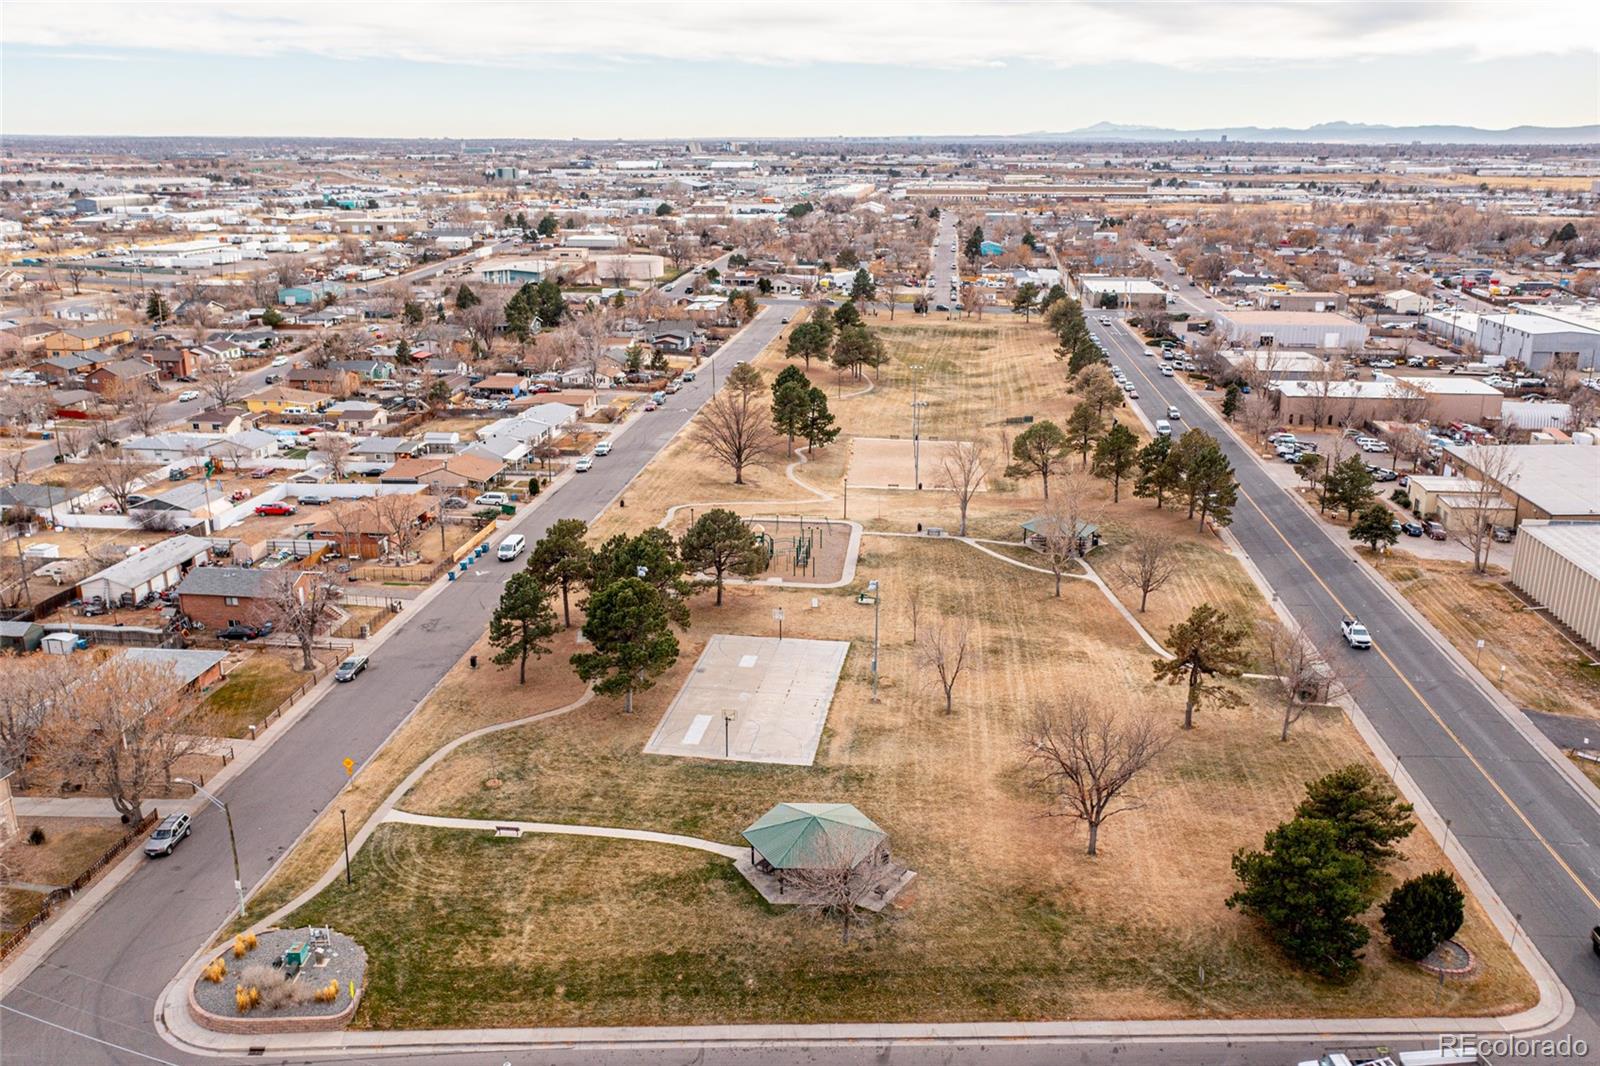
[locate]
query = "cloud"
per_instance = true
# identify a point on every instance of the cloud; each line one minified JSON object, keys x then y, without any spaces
{"x":937,"y":34}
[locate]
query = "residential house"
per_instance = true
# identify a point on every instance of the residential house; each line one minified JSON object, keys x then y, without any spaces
{"x":173,"y":363}
{"x":87,"y":338}
{"x":221,"y":596}
{"x":121,"y":379}
{"x":365,"y":529}
{"x":461,"y":471}
{"x":195,"y":670}
{"x":366,"y":369}
{"x":501,"y":386}
{"x":69,"y":366}
{"x":220,"y":420}
{"x":327,"y":380}
{"x":444,"y":366}
{"x":282,"y":400}
{"x":357,"y":416}
{"x":674,"y":335}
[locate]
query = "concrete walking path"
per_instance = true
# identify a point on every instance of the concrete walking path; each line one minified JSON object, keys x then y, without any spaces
{"x":727,"y":851}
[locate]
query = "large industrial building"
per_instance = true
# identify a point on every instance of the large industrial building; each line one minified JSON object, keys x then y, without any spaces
{"x":1322,"y":330}
{"x":1544,"y":481}
{"x":1136,"y":294}
{"x":1557,"y":564}
{"x":1443,"y":400}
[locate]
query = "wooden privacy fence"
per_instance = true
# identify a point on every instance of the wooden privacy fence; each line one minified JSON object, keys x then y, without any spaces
{"x":15,"y":939}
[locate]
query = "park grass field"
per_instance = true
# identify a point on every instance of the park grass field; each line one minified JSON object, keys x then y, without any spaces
{"x":1008,"y":919}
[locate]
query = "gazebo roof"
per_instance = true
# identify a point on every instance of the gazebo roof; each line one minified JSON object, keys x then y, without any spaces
{"x":798,"y":836}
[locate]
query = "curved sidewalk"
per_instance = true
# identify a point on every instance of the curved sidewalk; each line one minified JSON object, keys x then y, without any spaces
{"x":727,"y":851}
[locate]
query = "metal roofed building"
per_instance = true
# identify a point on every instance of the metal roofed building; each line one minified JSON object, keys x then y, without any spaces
{"x":158,"y":567}
{"x":1547,"y":481}
{"x":1558,"y":565}
{"x":1139,"y":294}
{"x":1290,"y":329}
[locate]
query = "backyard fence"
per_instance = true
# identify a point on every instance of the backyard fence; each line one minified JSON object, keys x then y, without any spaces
{"x":17,"y":937}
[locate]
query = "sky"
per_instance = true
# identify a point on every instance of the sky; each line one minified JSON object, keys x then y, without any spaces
{"x":773,"y":68}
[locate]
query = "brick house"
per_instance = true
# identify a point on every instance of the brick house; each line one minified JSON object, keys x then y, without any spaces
{"x":87,"y":338}
{"x":123,"y":378}
{"x":220,"y":596}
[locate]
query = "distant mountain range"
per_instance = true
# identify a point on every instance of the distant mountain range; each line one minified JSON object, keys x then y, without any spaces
{"x":1331,"y":133}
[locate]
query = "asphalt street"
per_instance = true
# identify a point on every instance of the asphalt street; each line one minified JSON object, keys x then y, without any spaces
{"x":1527,"y":826}
{"x":103,"y":980}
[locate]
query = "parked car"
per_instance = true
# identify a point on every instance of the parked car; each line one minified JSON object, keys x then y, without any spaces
{"x":275,"y":509}
{"x":1435,"y":531}
{"x":239,"y":631}
{"x":312,"y":500}
{"x":261,"y":472}
{"x":350,"y":668}
{"x":452,"y":503}
{"x":1166,"y":370}
{"x":1355,"y":634}
{"x":603,"y":448}
{"x":282,"y":360}
{"x":239,"y":497}
{"x":1503,"y":534}
{"x":649,"y":405}
{"x":491,"y":499}
{"x":188,"y":395}
{"x":511,"y":547}
{"x":1412,"y":529}
{"x":168,"y":835}
{"x":582,"y":465}
{"x":688,"y":375}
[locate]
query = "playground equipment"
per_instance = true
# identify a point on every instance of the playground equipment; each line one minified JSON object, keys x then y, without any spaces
{"x":797,"y":550}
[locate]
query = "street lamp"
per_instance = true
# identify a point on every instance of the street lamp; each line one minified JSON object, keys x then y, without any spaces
{"x":727,"y":725}
{"x":872,"y":587}
{"x":847,"y":497}
{"x":238,"y":878}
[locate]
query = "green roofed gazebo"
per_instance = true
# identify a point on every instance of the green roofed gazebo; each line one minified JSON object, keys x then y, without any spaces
{"x":808,"y":836}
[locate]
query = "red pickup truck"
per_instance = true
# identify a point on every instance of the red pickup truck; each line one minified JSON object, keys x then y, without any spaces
{"x":275,"y":509}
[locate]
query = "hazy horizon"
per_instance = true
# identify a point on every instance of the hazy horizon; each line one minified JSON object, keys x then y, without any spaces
{"x":625,"y":71}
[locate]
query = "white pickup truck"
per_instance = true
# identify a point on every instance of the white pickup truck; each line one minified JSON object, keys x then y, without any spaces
{"x":1355,"y":634}
{"x":1466,"y":1055}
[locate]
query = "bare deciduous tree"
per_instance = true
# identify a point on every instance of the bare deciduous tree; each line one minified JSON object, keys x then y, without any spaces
{"x":335,"y":449}
{"x":32,"y":690}
{"x":963,"y":471}
{"x":1147,"y":564}
{"x":1495,"y":466}
{"x":945,"y":649}
{"x":300,"y":606}
{"x":734,"y":429}
{"x":483,"y":321}
{"x":1085,"y":760}
{"x":219,"y":383}
{"x":836,"y":880}
{"x":117,"y":476}
{"x":1060,"y":525}
{"x":1304,"y":672}
{"x":122,"y":732}
{"x":396,"y":514}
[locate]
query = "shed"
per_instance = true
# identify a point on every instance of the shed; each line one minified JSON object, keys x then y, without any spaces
{"x":21,"y":636}
{"x":59,"y":643}
{"x":151,"y":570}
{"x":801,"y":836}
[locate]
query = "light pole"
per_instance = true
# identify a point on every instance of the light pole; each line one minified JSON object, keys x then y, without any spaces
{"x":872,"y":587}
{"x":846,"y":498}
{"x":238,"y":878}
{"x":916,"y":440}
{"x":727,"y":725}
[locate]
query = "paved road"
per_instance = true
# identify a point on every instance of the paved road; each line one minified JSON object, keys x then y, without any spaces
{"x":104,"y":978}
{"x":1531,"y":831}
{"x":1190,"y":297}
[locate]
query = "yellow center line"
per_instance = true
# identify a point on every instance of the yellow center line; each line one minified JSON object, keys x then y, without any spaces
{"x":1406,"y":681}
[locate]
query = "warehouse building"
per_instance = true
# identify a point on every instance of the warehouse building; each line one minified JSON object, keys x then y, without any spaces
{"x":1290,"y":329}
{"x":1135,"y":294}
{"x":1304,"y":301}
{"x":1537,"y":341}
{"x":1557,"y":564}
{"x":1558,"y":482}
{"x":1442,"y":400}
{"x":1273,"y":364}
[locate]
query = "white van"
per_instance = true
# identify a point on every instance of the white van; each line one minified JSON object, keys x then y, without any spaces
{"x":511,"y":547}
{"x":1163,"y":428}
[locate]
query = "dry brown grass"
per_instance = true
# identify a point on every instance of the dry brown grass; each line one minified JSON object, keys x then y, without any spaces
{"x":1009,"y":919}
{"x":71,"y":846}
{"x":465,"y":700}
{"x":1541,"y":670}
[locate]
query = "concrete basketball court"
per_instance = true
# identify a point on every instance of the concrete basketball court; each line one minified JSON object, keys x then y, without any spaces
{"x":887,"y":463}
{"x":778,"y":692}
